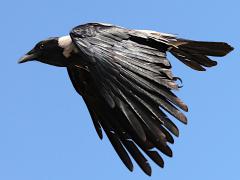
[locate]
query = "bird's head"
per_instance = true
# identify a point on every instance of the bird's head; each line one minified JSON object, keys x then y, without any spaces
{"x":49,"y":51}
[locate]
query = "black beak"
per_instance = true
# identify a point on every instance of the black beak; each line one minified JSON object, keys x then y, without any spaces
{"x":30,"y":56}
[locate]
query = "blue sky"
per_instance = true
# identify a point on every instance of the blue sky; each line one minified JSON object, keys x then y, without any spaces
{"x":45,"y":130}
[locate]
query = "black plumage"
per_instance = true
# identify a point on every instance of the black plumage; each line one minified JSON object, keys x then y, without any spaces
{"x":126,"y":82}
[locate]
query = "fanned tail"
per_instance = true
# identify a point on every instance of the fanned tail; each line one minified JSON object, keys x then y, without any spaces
{"x":195,"y":53}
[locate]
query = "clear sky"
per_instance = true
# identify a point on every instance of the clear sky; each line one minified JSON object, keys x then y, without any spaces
{"x":45,"y":129}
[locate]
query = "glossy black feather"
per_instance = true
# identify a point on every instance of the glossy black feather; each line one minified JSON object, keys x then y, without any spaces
{"x":118,"y":146}
{"x":116,"y":67}
{"x":126,"y":81}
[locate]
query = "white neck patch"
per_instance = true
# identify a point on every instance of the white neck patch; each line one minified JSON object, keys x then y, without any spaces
{"x":65,"y":42}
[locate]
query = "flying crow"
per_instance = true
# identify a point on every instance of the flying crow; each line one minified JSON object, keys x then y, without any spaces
{"x":127,"y":84}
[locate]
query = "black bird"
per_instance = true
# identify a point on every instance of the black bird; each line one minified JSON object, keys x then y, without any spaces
{"x":126,"y":82}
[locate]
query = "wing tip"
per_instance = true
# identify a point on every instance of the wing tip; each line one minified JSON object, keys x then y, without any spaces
{"x":130,"y":167}
{"x":148,"y":169}
{"x":183,"y":118}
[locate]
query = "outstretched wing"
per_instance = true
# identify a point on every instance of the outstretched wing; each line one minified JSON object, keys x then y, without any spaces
{"x":126,"y":83}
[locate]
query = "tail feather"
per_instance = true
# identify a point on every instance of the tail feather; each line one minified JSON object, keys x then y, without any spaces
{"x":195,"y":53}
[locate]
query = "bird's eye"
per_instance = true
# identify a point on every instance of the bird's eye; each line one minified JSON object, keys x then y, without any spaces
{"x":41,"y":46}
